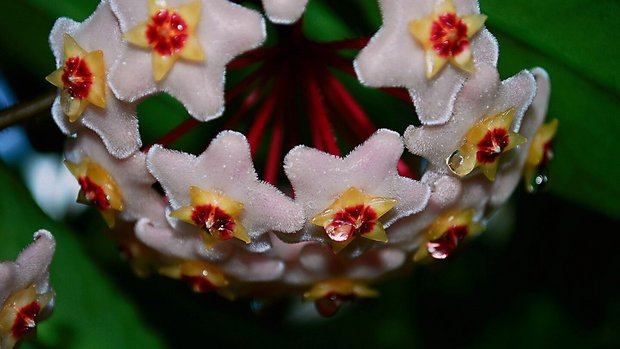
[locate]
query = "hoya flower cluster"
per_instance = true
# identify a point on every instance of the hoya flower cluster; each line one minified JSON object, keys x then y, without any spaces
{"x":340,"y":222}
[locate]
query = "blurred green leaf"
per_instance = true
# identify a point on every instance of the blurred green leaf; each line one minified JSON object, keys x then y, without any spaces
{"x":583,"y":97}
{"x":90,"y":311}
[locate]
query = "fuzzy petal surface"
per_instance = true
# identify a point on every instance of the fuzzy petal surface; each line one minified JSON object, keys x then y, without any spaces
{"x":394,"y":59}
{"x":319,"y":178}
{"x":117,"y":123}
{"x":224,"y":31}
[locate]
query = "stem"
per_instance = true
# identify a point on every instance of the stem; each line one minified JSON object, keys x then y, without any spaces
{"x":317,"y":110}
{"x":275,"y":151}
{"x":26,"y":110}
{"x":346,"y":67}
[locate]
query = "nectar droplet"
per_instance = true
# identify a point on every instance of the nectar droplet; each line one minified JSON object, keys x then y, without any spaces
{"x":539,"y":180}
{"x":455,"y":161}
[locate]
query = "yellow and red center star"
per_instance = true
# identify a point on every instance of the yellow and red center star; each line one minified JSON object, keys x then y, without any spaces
{"x":201,"y":277}
{"x":97,"y":188}
{"x":18,"y":316}
{"x":445,"y":37}
{"x":215,"y":215}
{"x":446,"y":232}
{"x":170,"y":34}
{"x":484,"y":143}
{"x":329,"y":295}
{"x":354,"y":214}
{"x":82,"y":79}
{"x":539,"y":155}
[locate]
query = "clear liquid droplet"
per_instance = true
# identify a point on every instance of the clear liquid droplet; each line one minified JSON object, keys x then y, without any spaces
{"x":69,"y":104}
{"x":539,"y":180}
{"x":455,"y":161}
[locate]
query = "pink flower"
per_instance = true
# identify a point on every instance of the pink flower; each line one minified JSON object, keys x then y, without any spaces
{"x":319,"y":179}
{"x":394,"y":57}
{"x":116,"y":123}
{"x":223,"y":31}
{"x":220,"y":190}
{"x":26,"y":296}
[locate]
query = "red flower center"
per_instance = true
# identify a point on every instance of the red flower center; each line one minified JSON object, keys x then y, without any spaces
{"x":94,"y":193}
{"x":214,"y":220}
{"x":492,"y":145}
{"x":354,"y":220}
{"x":199,"y":283}
{"x":442,"y":247}
{"x":449,"y":35}
{"x":77,"y":78}
{"x":25,"y":320}
{"x":330,"y":304}
{"x":166,"y":32}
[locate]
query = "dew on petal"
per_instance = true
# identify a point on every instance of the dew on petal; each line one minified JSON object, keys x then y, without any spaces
{"x":455,"y":161}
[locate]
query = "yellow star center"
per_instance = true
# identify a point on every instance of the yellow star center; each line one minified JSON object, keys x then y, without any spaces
{"x":170,"y":34}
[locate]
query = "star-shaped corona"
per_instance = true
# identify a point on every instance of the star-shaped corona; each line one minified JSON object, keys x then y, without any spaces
{"x":200,"y":276}
{"x":354,"y":214}
{"x":445,"y":37}
{"x":446,"y":232}
{"x":328,"y":295}
{"x":215,"y":215}
{"x":484,"y":143}
{"x":98,"y":188}
{"x":18,"y":316}
{"x":170,"y":34}
{"x":82,"y":79}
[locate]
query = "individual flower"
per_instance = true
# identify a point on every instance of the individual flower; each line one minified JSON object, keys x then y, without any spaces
{"x":284,"y":11}
{"x":328,"y":295}
{"x":508,"y":177}
{"x":84,"y":52}
{"x":416,"y":40}
{"x":200,"y":276}
{"x":25,"y":294}
{"x":117,"y":188}
{"x":486,"y":114}
{"x":541,"y":152}
{"x":234,"y":265}
{"x":347,"y":195}
{"x":204,"y":34}
{"x":220,"y":195}
{"x":334,"y":279}
{"x":484,"y":142}
{"x":445,"y":37}
{"x":446,"y":232}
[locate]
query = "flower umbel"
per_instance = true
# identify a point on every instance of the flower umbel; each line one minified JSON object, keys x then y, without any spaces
{"x":82,"y":79}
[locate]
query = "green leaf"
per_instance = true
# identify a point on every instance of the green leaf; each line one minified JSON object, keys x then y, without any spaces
{"x":571,"y":41}
{"x":90,"y":310}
